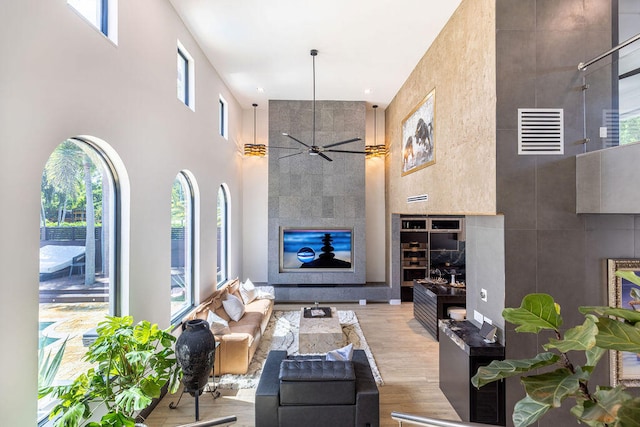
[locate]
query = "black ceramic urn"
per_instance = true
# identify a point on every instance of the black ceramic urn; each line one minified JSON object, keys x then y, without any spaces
{"x":195,"y":351}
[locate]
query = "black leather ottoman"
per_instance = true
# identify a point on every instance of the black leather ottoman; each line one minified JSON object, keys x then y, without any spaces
{"x":312,"y":392}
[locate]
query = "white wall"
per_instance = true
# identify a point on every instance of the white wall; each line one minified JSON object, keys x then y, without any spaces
{"x":60,"y":78}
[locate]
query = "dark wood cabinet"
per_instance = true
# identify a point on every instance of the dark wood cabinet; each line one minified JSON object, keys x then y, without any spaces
{"x":430,"y":303}
{"x":462,"y":352}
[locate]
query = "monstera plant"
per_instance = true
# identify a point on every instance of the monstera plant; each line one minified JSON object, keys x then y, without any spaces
{"x":604,"y":328}
{"x":132,"y":365}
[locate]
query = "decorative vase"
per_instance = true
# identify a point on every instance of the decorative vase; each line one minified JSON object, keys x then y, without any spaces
{"x":195,"y":351}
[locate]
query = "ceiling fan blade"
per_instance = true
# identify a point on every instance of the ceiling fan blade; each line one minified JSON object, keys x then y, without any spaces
{"x":290,"y":155}
{"x":343,"y":142}
{"x":347,"y":151}
{"x":296,"y":139}
{"x":282,"y":148}
{"x":325,"y":157}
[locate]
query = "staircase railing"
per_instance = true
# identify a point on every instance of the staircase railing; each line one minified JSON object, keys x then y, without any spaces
{"x":409,"y":419}
{"x":222,"y":421}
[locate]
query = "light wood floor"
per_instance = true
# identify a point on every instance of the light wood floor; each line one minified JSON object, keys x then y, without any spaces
{"x":406,"y":355}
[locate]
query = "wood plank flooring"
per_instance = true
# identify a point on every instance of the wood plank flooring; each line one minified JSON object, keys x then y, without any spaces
{"x":406,"y":355}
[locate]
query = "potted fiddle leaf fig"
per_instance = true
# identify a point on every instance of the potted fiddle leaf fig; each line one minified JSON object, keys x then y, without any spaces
{"x":132,"y":365}
{"x":550,"y":378}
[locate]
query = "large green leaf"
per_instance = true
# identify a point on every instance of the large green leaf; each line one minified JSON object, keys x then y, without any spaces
{"x":629,"y":413}
{"x":499,"y":369}
{"x":606,"y":407}
{"x":594,"y":354}
{"x":630,"y":316}
{"x":551,"y":388}
{"x":536,"y":312}
{"x":616,"y":335}
{"x":581,"y":337}
{"x":527,"y":411}
{"x":629,"y":275}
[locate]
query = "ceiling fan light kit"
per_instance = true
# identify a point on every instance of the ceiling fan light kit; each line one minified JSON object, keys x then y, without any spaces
{"x":313,"y":149}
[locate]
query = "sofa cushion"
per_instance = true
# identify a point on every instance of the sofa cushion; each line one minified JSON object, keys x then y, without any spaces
{"x":344,"y":353}
{"x":248,"y":291}
{"x":234,"y":307}
{"x":217,"y":324}
{"x":317,"y":382}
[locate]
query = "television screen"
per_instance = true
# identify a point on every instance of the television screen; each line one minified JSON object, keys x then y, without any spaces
{"x":304,"y":249}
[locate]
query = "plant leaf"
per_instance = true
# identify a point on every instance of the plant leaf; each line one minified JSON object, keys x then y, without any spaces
{"x":536,"y":312}
{"x":629,"y":275}
{"x":527,"y":411}
{"x":594,"y":354}
{"x":608,"y":402}
{"x":616,"y":335}
{"x":131,"y":400}
{"x":551,"y":388}
{"x":581,"y":337}
{"x":630,"y":316}
{"x":500,"y":369}
{"x":629,"y":413}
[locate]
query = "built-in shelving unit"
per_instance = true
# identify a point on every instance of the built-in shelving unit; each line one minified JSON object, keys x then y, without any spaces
{"x":429,"y":246}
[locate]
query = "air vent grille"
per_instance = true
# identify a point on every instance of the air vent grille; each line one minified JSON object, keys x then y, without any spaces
{"x":540,"y":131}
{"x":418,"y":198}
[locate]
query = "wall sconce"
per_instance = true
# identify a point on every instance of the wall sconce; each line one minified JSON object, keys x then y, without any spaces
{"x":375,"y":150}
{"x":258,"y":150}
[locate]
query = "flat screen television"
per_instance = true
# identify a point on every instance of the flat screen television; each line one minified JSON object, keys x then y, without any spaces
{"x":316,"y":249}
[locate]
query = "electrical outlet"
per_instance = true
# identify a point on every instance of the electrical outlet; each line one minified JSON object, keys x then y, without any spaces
{"x":483,"y":295}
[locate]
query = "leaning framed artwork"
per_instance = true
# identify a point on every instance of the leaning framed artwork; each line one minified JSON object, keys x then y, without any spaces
{"x":418,"y":136}
{"x":625,"y":365}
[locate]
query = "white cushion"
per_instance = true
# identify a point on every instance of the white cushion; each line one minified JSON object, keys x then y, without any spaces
{"x":233,"y":307}
{"x":344,"y":353}
{"x":265,"y":292}
{"x":217,"y":324}
{"x":248,"y":291}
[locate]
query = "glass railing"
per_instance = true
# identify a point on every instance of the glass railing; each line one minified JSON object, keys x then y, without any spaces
{"x":611,"y":99}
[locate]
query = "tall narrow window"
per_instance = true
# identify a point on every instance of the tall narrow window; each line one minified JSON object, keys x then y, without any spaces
{"x":102,"y":14}
{"x":182,"y":233}
{"x":185,"y":77}
{"x":78,"y":232}
{"x":224,"y":118}
{"x":223,"y":235}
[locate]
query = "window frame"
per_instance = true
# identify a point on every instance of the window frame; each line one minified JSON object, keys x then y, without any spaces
{"x":223,"y":117}
{"x":106,"y":19}
{"x":222,"y":235}
{"x":189,"y":77}
{"x":190,"y":246}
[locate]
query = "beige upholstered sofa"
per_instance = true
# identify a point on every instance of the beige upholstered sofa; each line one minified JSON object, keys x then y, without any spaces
{"x":239,"y":344}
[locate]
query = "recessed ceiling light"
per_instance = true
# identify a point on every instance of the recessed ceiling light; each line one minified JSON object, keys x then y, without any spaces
{"x":261,"y":90}
{"x":367,"y":91}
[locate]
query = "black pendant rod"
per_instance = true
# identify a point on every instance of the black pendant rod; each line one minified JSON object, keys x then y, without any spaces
{"x":314,"y":53}
{"x":254,"y":123}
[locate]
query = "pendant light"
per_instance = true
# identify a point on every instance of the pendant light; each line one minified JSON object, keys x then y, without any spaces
{"x":258,"y":150}
{"x":375,"y":150}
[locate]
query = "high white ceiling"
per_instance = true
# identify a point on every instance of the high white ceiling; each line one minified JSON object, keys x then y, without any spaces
{"x":363,"y":45}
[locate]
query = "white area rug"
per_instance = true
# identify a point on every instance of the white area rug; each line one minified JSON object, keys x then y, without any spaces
{"x":282,"y":334}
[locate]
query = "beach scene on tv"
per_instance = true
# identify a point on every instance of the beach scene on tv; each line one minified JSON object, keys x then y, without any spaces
{"x":312,"y":248}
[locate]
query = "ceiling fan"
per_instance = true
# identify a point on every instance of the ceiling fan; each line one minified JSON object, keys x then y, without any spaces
{"x":313,"y":149}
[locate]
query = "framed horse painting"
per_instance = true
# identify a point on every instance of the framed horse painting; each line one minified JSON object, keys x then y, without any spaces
{"x":418,"y":136}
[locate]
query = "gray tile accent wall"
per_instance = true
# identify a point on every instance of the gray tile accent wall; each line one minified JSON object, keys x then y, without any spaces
{"x":308,"y":191}
{"x":548,"y":247}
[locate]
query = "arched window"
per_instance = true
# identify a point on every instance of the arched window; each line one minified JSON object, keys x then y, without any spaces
{"x":223,"y":235}
{"x":182,"y":250}
{"x":78,"y":225}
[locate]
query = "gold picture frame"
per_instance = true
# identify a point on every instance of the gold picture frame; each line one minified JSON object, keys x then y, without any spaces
{"x":624,"y":365}
{"x":418,"y":136}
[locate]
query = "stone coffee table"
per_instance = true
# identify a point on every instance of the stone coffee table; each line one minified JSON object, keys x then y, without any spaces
{"x":320,"y":334}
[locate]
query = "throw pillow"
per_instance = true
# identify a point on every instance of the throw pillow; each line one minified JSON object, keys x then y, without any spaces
{"x":217,"y":324}
{"x":248,"y":291}
{"x":344,"y":353}
{"x":233,"y":307}
{"x":265,"y":292}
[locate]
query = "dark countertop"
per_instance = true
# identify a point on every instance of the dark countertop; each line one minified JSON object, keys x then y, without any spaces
{"x":442,"y":290}
{"x":466,"y":336}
